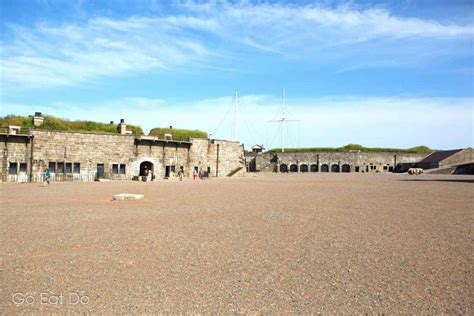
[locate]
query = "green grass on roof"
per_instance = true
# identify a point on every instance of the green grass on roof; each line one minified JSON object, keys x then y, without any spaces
{"x":349,"y":147}
{"x":177,"y":134}
{"x":52,"y":123}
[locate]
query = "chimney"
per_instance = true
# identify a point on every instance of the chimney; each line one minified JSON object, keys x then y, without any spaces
{"x":122,"y":127}
{"x":37,"y":119}
{"x":14,"y":130}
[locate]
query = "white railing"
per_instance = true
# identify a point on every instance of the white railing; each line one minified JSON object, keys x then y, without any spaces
{"x":64,"y":177}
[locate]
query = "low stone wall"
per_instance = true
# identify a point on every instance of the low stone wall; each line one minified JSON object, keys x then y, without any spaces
{"x":465,"y":155}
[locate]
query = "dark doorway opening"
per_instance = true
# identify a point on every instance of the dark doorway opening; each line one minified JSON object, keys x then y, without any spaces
{"x":283,"y":168}
{"x":357,"y":169}
{"x":304,"y":168}
{"x":335,"y":168}
{"x":314,"y":168}
{"x":145,"y":168}
{"x":346,"y":168}
{"x":324,"y":168}
{"x":100,"y":171}
{"x":167,"y":171}
{"x":294,"y":168}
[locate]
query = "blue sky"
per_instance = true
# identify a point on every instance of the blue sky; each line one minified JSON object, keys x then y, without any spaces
{"x":392,"y":74}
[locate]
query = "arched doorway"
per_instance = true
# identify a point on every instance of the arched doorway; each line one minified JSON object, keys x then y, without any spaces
{"x":145,"y":168}
{"x":294,"y":168}
{"x":324,"y":168}
{"x":346,"y":168}
{"x":335,"y":168}
{"x":304,"y":168}
{"x":314,"y":168}
{"x":283,"y":168}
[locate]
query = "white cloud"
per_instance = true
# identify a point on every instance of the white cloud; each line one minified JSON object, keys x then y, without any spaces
{"x":441,"y":123}
{"x":213,"y":35}
{"x":71,"y":54}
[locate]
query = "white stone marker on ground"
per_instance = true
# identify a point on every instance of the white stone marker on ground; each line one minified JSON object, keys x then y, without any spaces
{"x":128,"y":196}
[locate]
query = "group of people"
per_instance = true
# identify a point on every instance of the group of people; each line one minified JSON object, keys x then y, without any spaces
{"x":199,"y":174}
{"x":196,"y":174}
{"x":148,"y":174}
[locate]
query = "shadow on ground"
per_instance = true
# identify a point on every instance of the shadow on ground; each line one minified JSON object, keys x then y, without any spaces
{"x":440,"y":180}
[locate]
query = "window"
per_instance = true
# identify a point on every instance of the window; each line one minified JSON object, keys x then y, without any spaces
{"x":77,"y":167}
{"x":52,"y":167}
{"x":122,"y":169}
{"x":68,"y":167}
{"x":115,"y":168}
{"x":60,"y":167}
{"x":13,"y":168}
{"x":385,"y":168}
{"x":23,"y":167}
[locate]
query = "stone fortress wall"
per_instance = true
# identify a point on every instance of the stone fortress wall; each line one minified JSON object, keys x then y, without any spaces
{"x":86,"y":156}
{"x":329,"y":161}
{"x":76,"y":156}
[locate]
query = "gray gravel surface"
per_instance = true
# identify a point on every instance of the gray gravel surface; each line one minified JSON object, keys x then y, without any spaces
{"x":306,"y":243}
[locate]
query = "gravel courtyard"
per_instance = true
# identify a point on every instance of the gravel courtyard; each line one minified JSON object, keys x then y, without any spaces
{"x":267,"y":243}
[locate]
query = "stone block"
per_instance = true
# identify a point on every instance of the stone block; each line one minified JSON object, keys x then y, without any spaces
{"x":128,"y":196}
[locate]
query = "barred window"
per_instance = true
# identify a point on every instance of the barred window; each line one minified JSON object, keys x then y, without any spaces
{"x":13,"y":168}
{"x":60,"y":167}
{"x":77,"y":167}
{"x":52,"y":167}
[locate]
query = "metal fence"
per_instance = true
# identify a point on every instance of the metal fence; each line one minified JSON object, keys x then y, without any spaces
{"x":65,"y":177}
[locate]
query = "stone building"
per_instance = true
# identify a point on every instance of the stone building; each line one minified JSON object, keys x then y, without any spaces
{"x":85,"y":156}
{"x":354,"y":161}
{"x":457,"y":161}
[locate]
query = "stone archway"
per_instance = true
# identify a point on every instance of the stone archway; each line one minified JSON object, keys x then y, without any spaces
{"x":304,"y":168}
{"x":145,"y":168}
{"x":346,"y":168}
{"x":324,"y":168}
{"x":314,"y":168}
{"x":293,"y":168}
{"x":136,"y":166}
{"x":335,"y":168}
{"x":283,"y":168}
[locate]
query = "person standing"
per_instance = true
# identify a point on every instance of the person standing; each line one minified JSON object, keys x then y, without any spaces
{"x":195,"y":174}
{"x":46,"y":177}
{"x":181,"y":173}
